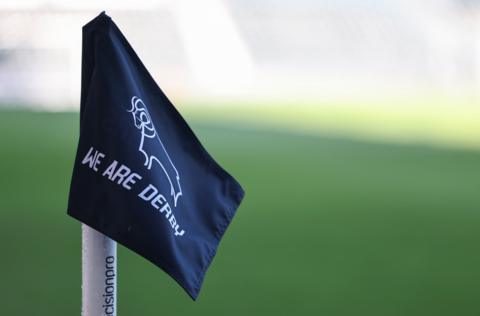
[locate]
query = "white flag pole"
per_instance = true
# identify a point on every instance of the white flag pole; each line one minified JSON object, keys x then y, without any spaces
{"x":99,"y":274}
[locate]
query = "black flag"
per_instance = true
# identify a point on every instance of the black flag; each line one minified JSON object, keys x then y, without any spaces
{"x":141,"y":177}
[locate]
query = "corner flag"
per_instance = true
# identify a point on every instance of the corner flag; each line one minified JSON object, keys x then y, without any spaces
{"x":141,"y":177}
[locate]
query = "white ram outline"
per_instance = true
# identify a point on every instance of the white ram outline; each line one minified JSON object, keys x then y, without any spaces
{"x":143,"y":122}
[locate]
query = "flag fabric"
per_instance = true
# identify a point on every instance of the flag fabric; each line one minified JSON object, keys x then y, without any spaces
{"x":141,"y":177}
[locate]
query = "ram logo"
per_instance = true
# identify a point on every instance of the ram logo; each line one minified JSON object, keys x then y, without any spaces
{"x":152,"y":148}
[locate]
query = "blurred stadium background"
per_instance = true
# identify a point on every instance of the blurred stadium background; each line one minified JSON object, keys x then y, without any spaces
{"x":354,"y":127}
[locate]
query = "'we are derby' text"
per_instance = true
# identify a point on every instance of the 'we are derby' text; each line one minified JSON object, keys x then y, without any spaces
{"x":123,"y":176}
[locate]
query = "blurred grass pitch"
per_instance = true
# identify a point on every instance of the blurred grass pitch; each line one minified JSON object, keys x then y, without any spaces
{"x":329,"y":226}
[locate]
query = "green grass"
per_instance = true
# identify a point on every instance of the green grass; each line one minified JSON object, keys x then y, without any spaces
{"x":449,"y":122}
{"x":329,"y":226}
